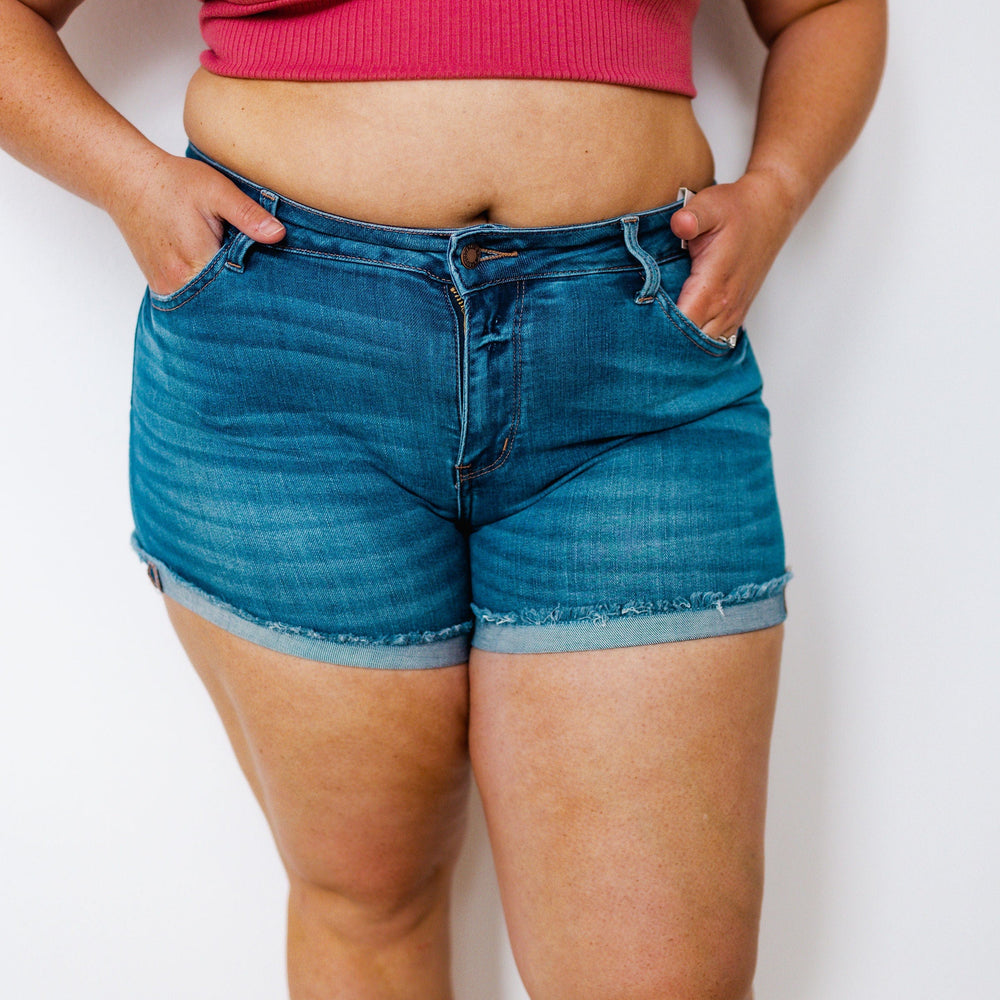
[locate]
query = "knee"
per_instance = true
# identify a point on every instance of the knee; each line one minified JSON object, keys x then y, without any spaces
{"x":711,"y":980}
{"x":725,"y":975}
{"x":369,"y":902}
{"x":719,"y":966}
{"x":723,"y":971}
{"x":662,"y":964}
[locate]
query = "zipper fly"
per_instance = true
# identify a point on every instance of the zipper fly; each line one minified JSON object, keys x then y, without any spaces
{"x":462,"y":391}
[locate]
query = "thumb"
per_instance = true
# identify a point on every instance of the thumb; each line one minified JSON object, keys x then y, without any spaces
{"x":685,"y":223}
{"x":250,"y":218}
{"x":696,"y":218}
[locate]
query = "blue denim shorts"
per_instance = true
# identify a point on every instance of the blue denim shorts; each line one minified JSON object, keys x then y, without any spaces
{"x":375,"y":446}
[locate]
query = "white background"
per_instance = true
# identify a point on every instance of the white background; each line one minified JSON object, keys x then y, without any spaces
{"x":133,"y":862}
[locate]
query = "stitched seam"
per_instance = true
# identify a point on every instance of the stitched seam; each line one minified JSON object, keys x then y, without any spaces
{"x":568,"y":273}
{"x":436,"y":277}
{"x":687,"y":333}
{"x":512,"y":432}
{"x":459,"y":321}
{"x":485,"y":254}
{"x":201,"y":282}
{"x":446,"y":280}
{"x":362,"y":260}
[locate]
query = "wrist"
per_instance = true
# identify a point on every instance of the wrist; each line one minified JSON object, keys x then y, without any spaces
{"x":134,"y":172}
{"x":785,"y":188}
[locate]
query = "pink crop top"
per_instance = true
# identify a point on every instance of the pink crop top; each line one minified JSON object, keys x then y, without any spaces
{"x":640,"y":43}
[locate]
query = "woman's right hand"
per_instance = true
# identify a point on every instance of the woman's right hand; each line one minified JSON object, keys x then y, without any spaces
{"x":171,"y":210}
{"x":174,"y":220}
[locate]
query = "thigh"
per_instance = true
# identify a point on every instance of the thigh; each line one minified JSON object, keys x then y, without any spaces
{"x":625,"y":795}
{"x":362,"y":773}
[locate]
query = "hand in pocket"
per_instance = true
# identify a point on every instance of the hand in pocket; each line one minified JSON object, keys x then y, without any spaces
{"x":734,"y":232}
{"x":174,"y":225}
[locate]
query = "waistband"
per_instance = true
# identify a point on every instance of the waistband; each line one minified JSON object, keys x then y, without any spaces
{"x":483,"y":253}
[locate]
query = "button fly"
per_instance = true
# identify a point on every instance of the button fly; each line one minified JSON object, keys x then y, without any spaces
{"x":470,"y":255}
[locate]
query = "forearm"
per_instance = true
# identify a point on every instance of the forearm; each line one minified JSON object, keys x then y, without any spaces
{"x":822,"y":71}
{"x":52,"y":120}
{"x":820,"y":80}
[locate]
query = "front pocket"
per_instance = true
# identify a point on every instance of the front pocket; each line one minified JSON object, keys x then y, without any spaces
{"x":717,"y":348}
{"x":204,"y":277}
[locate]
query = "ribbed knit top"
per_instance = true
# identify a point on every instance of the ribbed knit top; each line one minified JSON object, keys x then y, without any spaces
{"x":640,"y":43}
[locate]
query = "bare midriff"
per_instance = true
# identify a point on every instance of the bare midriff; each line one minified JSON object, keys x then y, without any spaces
{"x":450,"y":153}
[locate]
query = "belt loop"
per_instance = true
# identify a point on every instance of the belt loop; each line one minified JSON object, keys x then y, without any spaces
{"x":269,"y":200}
{"x":651,"y":270}
{"x":239,"y":247}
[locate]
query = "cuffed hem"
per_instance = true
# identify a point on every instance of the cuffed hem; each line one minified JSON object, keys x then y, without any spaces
{"x":410,"y":651}
{"x":565,"y":630}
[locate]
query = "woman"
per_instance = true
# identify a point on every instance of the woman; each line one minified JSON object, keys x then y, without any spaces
{"x":427,"y":381}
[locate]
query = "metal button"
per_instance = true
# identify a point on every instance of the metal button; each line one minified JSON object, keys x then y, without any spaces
{"x":470,"y":255}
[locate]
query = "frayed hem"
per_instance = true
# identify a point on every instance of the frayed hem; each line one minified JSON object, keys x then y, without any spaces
{"x":602,"y":614}
{"x":204,"y":603}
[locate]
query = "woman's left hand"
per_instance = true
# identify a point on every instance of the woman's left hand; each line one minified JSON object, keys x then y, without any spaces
{"x":734,"y":232}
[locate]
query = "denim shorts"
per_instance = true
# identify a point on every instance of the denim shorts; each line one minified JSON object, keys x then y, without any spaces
{"x":377,"y":446}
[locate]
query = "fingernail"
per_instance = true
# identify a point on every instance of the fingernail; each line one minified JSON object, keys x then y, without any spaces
{"x":269,"y":227}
